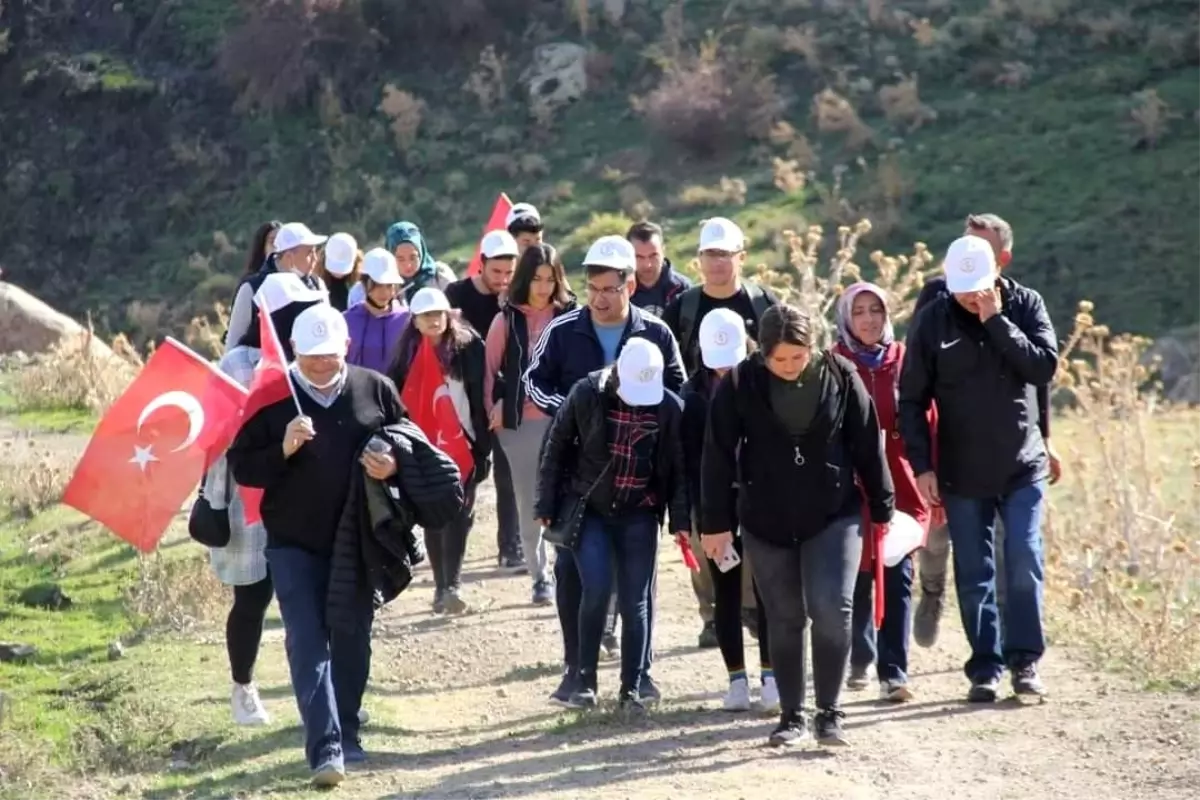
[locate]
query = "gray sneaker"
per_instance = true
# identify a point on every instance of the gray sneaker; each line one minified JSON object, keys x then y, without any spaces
{"x":928,"y":618}
{"x":1027,"y":683}
{"x":983,"y":691}
{"x":858,"y":678}
{"x":791,"y":731}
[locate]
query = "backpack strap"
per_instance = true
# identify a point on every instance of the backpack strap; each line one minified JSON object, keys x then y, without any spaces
{"x":758,"y":299}
{"x":689,"y":307}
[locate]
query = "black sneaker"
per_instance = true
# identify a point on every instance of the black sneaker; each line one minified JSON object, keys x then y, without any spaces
{"x":512,"y":563}
{"x":1027,"y":683}
{"x":562,"y":695}
{"x":352,"y":752}
{"x":983,"y":690}
{"x":648,"y":691}
{"x":630,"y":704}
{"x":708,"y":636}
{"x":439,"y":601}
{"x":828,"y":726}
{"x":583,"y":698}
{"x":928,"y":618}
{"x":791,"y":730}
{"x":858,"y":676}
{"x":543,"y":594}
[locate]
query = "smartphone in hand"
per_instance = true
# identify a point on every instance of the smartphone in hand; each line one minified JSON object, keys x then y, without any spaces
{"x":729,"y":559}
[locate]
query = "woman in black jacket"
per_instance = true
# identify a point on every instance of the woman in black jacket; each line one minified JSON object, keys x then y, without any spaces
{"x":796,"y":430}
{"x":616,"y":442}
{"x":461,"y":353}
{"x":723,"y":345}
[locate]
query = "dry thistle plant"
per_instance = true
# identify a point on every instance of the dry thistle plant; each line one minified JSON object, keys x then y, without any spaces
{"x":207,"y":336}
{"x":486,"y":82}
{"x":75,"y":375}
{"x":405,"y":112}
{"x":923,"y":32}
{"x":901,"y":103}
{"x":729,"y":191}
{"x":1123,"y":546}
{"x":789,"y":177}
{"x":815,"y":287}
{"x":31,"y":479}
{"x":176,"y":594}
{"x":835,"y":114}
{"x":1151,"y":115}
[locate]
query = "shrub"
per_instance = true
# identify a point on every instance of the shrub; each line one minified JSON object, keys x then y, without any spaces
{"x":901,"y":103}
{"x":33,"y":480}
{"x":728,"y":192}
{"x":405,"y":112}
{"x":74,"y":375}
{"x":835,"y":114}
{"x":708,"y":104}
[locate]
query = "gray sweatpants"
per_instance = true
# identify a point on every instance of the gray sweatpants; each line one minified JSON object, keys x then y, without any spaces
{"x":523,"y":448}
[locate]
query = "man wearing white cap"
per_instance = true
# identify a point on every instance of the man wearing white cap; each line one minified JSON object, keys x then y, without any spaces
{"x":573,"y":346}
{"x":981,"y":352}
{"x":616,"y":442}
{"x":477,"y":297}
{"x":722,"y":257}
{"x":295,"y":251}
{"x":524,"y":223}
{"x":304,"y":464}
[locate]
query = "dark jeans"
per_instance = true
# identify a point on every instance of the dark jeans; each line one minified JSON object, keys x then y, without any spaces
{"x":887,"y":647}
{"x":447,"y":545}
{"x":631,"y":541}
{"x":508,"y":526}
{"x":727,"y":614}
{"x":329,"y":666}
{"x":972,"y":523}
{"x":814,"y":580}
{"x":244,"y":627}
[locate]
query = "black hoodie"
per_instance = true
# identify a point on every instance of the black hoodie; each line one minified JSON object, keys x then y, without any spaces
{"x":656,"y":298}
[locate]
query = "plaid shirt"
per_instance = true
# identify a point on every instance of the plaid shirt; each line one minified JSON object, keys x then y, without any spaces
{"x":633,"y":439}
{"x":243,"y":561}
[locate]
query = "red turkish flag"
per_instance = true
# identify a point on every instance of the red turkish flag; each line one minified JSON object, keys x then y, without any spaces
{"x":427,"y":399}
{"x":155,"y":443}
{"x":495,"y":223}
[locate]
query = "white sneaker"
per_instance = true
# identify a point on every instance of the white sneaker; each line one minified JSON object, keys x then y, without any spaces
{"x":895,"y":691}
{"x":363,"y":716}
{"x":738,"y":696}
{"x":247,"y":706}
{"x":768,"y":698}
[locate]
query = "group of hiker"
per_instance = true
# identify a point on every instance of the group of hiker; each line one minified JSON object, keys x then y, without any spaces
{"x":807,"y":479}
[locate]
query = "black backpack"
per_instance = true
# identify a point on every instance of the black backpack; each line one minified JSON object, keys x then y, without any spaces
{"x":689,"y":307}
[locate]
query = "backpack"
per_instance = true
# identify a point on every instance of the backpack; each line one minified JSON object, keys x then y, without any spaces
{"x":689,"y":307}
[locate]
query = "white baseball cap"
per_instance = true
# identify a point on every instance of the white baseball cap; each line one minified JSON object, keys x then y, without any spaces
{"x":320,"y":330}
{"x":284,"y":288}
{"x":499,"y":244}
{"x":296,"y":234}
{"x":722,"y":339}
{"x":640,"y":372}
{"x":520,"y":210}
{"x":380,"y":266}
{"x":722,"y":234}
{"x":341,"y":251}
{"x":970,"y":265}
{"x":614,"y":252}
{"x":428,"y":299}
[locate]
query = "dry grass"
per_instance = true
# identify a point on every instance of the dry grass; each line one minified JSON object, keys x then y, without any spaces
{"x":73,"y":375}
{"x":727,"y":192}
{"x":176,"y":594}
{"x":835,"y":114}
{"x":32,"y":478}
{"x":1150,"y":116}
{"x":405,"y":112}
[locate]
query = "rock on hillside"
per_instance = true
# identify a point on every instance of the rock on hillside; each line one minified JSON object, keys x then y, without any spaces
{"x":27,"y":325}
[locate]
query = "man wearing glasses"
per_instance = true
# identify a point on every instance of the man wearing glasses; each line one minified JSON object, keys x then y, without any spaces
{"x":579,"y":342}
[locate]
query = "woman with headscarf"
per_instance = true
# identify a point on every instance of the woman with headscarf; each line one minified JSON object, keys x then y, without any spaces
{"x":867,"y":339}
{"x":416,"y":264}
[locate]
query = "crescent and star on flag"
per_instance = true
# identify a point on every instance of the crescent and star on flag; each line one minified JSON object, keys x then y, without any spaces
{"x":143,"y":456}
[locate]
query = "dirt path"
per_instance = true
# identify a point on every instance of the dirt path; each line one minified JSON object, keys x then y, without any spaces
{"x":459,"y":710}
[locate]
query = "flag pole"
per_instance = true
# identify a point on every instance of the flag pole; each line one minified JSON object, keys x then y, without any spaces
{"x":279,"y":349}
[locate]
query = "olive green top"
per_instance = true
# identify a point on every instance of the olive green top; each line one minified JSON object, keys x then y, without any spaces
{"x":795,"y":402}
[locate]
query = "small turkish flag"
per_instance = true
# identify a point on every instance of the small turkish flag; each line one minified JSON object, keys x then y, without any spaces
{"x":427,"y":399}
{"x":495,"y":223}
{"x":155,"y":443}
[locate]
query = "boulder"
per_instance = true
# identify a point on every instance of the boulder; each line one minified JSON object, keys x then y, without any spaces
{"x":557,"y":77}
{"x":49,"y":596}
{"x":28,"y":325}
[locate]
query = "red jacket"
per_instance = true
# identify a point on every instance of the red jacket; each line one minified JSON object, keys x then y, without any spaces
{"x":883,"y":384}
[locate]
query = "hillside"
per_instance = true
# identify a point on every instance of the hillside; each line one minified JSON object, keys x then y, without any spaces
{"x":143,"y":141}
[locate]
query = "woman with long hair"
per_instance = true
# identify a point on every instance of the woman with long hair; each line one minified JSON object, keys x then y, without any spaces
{"x":867,"y":339}
{"x":463,"y":361}
{"x":538,"y":293}
{"x":416,"y":264}
{"x":259,"y":264}
{"x":339,"y":268}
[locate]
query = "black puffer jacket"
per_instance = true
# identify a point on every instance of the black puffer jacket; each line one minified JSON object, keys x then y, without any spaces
{"x":576,"y":450}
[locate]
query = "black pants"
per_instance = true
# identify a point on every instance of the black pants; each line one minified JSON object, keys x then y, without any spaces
{"x":244,"y":627}
{"x":727,"y":615}
{"x":508,"y":526}
{"x":447,"y":545}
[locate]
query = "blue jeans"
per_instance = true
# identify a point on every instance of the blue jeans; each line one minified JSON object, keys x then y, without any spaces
{"x":631,"y":542}
{"x":329,"y":667}
{"x":972,"y":523}
{"x":887,"y":648}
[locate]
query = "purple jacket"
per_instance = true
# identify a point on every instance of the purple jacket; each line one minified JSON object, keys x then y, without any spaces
{"x":373,"y":339}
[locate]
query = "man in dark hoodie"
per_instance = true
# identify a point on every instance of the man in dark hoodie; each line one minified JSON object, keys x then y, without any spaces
{"x":657,"y":281}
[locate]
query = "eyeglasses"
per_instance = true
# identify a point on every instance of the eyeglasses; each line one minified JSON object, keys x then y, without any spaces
{"x":607,"y":291}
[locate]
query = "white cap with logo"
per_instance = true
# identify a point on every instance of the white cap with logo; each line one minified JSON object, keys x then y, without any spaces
{"x":296,"y":234}
{"x":722,"y":234}
{"x":499,"y":244}
{"x":970,"y":265}
{"x":520,"y":211}
{"x":284,"y":288}
{"x":722,"y":339}
{"x":640,"y":373}
{"x":320,"y":331}
{"x":614,"y":252}
{"x":427,"y":300}
{"x":341,"y":251}
{"x":380,"y":266}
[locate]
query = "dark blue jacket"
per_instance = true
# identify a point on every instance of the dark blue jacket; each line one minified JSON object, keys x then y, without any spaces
{"x":569,"y":350}
{"x":985,"y":379}
{"x":656,"y":298}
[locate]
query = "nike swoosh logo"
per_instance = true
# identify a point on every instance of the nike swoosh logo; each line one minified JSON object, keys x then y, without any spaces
{"x":948,"y":345}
